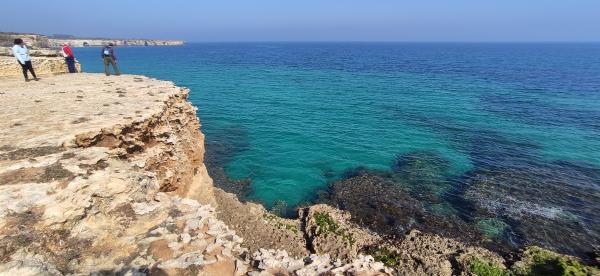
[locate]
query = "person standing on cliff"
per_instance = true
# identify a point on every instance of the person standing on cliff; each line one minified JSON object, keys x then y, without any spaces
{"x":69,"y":58}
{"x":108,"y":55}
{"x":22,"y":54}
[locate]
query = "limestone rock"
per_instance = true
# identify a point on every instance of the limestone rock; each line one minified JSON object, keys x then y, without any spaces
{"x":74,"y":206}
{"x":90,"y":42}
{"x":329,"y":231}
{"x":32,"y":40}
{"x":42,"y":41}
{"x":45,"y":65}
{"x":272,"y":262}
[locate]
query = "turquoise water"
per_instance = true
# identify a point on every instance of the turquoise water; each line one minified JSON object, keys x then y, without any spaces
{"x":294,"y":117}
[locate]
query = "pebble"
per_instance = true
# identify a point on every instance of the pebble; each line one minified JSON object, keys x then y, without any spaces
{"x":186,"y":238}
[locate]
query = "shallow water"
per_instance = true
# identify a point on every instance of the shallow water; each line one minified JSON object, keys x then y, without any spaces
{"x":524,"y":119}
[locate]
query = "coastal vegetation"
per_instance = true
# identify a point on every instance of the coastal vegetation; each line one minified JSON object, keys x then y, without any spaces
{"x":483,"y":268}
{"x":537,"y":261}
{"x":279,"y":222}
{"x":326,"y":224}
{"x":534,"y":261}
{"x":386,"y":256}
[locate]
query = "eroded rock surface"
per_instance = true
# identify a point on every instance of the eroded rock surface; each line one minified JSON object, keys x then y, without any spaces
{"x":93,"y":171}
{"x":43,"y":66}
{"x":45,"y":60}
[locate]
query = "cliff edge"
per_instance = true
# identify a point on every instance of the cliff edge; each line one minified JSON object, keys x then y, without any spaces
{"x":94,"y":172}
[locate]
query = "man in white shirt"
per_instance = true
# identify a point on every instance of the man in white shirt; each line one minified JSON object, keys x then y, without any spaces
{"x":22,"y":54}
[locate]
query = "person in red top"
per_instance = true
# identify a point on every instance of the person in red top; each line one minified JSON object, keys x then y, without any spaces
{"x":69,"y":58}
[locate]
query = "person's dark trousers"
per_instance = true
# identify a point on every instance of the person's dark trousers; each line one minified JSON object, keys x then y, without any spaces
{"x":71,"y":64}
{"x":28,"y":67}
{"x":110,"y":60}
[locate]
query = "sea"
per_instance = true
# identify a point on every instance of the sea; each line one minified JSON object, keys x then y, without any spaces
{"x":503,"y":136}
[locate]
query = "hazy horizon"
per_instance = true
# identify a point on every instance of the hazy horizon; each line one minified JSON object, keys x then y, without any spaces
{"x":314,"y":21}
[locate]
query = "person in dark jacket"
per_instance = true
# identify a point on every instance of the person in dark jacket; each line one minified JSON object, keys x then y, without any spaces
{"x":22,"y":54}
{"x":108,"y":55}
{"x":69,"y":58}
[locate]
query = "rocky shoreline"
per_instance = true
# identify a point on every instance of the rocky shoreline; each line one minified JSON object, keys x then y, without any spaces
{"x":106,"y":175}
{"x":97,"y":42}
{"x":43,"y":41}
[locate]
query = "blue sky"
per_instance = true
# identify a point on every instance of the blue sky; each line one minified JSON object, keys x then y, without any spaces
{"x":311,"y":20}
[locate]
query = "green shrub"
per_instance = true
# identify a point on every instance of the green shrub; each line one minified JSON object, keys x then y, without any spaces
{"x":543,"y":262}
{"x":326,"y":224}
{"x":386,"y":256}
{"x":483,"y":268}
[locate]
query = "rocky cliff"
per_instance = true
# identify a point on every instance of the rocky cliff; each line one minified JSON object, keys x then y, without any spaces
{"x":31,"y":40}
{"x":46,"y":61}
{"x":106,"y":175}
{"x":42,"y":65}
{"x":43,"y":41}
{"x":94,"y":174}
{"x":90,"y":42}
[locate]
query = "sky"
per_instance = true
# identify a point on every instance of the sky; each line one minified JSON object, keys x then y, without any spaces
{"x":310,"y":20}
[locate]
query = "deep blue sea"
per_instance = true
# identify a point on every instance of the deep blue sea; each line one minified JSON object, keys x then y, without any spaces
{"x":512,"y":131}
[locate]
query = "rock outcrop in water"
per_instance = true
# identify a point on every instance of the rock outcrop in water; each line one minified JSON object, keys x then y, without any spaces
{"x":106,"y":175}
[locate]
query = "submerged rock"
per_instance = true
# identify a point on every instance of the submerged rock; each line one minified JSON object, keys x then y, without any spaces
{"x":382,"y":205}
{"x":492,"y":227}
{"x":424,"y":173}
{"x":543,"y":204}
